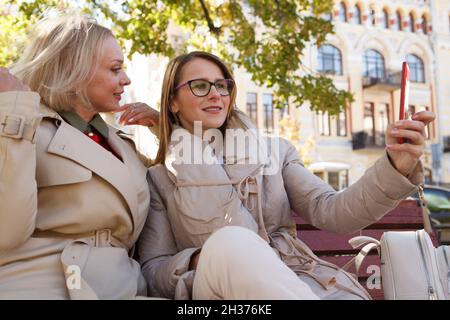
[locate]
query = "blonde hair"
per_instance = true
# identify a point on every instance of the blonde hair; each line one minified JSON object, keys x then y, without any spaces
{"x":171,"y":80}
{"x":61,"y":58}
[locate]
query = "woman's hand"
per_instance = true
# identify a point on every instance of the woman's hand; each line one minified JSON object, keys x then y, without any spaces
{"x":405,"y":156}
{"x":138,"y":113}
{"x":8,"y":82}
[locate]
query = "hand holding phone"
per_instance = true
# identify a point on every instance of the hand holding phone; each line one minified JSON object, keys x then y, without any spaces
{"x":404,"y":95}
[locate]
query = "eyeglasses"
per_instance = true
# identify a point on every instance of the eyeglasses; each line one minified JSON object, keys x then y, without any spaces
{"x":201,"y":87}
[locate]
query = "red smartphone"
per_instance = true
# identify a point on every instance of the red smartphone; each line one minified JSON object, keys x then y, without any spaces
{"x":404,"y":95}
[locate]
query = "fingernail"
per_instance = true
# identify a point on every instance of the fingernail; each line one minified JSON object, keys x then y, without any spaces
{"x":131,"y":120}
{"x":398,"y":123}
{"x":394,"y":130}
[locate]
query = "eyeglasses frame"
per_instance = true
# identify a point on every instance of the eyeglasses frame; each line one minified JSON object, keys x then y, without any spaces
{"x":211,"y":84}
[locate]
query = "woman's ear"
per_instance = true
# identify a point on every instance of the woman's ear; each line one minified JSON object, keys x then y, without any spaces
{"x":174,"y":107}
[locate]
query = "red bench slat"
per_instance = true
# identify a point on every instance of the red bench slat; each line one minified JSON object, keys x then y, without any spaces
{"x":329,"y":243}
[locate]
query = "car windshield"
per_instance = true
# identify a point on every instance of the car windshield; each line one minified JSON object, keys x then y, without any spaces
{"x":437,"y":199}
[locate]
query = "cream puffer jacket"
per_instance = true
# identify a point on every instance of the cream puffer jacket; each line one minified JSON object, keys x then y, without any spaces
{"x":190,"y":201}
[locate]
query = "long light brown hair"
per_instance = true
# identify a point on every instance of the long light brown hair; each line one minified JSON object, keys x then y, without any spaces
{"x":61,"y":58}
{"x":171,"y":80}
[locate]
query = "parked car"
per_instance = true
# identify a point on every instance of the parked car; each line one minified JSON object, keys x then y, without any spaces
{"x":437,"y":200}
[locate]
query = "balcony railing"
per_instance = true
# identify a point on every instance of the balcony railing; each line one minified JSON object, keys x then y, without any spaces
{"x":389,"y":82}
{"x":362,"y":140}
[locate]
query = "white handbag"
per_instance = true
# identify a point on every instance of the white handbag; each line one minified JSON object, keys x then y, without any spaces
{"x":411,"y":267}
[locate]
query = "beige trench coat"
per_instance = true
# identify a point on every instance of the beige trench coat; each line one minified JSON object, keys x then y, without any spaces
{"x":67,"y":205}
{"x":189,"y":202}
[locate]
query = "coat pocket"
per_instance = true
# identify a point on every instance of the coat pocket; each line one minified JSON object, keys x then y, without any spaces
{"x":201,"y":211}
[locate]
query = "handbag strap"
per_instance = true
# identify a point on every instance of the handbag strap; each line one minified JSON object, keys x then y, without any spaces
{"x":425,"y":211}
{"x":368,"y":244}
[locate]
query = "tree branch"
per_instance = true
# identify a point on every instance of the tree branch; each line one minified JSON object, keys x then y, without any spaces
{"x":212,"y":28}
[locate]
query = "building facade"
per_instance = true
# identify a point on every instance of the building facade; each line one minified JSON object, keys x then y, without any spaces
{"x":364,"y":56}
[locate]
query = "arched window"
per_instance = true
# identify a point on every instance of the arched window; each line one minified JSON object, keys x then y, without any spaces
{"x":342,"y":12}
{"x":373,"y":64}
{"x":357,"y":15}
{"x":398,"y":21}
{"x":385,"y":19}
{"x":416,"y":69}
{"x":412,"y":23}
{"x":395,"y":23}
{"x":424,"y":25}
{"x":372,"y":18}
{"x":329,"y":60}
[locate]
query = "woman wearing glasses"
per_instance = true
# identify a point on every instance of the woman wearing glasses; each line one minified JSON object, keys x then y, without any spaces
{"x":220,"y":224}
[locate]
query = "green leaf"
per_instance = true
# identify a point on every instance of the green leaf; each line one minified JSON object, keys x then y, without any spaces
{"x":266,"y":37}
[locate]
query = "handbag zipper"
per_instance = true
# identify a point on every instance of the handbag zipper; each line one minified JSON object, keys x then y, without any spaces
{"x":431,"y":292}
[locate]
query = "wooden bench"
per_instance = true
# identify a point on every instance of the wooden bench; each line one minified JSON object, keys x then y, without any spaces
{"x":335,"y":248}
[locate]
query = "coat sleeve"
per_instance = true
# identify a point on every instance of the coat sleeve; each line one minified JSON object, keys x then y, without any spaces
{"x":19,"y":118}
{"x":366,"y":201}
{"x":162,"y":263}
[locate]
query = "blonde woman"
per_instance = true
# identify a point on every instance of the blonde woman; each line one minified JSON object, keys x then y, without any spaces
{"x":220,"y":224}
{"x":73,"y":191}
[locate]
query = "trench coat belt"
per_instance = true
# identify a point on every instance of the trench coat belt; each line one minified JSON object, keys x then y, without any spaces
{"x":98,"y":238}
